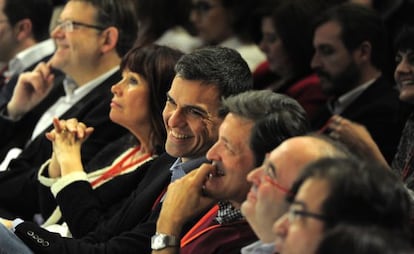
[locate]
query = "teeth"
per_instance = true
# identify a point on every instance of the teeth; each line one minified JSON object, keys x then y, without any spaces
{"x":177,"y":135}
{"x":407,"y":82}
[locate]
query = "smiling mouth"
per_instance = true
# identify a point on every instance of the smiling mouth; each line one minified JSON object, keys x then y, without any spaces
{"x":218,"y":172}
{"x":178,"y":136}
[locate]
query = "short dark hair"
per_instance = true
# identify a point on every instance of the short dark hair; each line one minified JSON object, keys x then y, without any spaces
{"x":219,"y":66}
{"x":360,"y":193}
{"x":38,"y":11}
{"x":345,"y":239}
{"x":404,"y":39}
{"x":276,"y":118}
{"x":358,"y":24}
{"x":120,"y":14}
{"x":156,"y":65}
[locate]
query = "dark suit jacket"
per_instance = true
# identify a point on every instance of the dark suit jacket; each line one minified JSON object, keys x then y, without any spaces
{"x":19,"y":185}
{"x":128,"y":231}
{"x":377,"y":108}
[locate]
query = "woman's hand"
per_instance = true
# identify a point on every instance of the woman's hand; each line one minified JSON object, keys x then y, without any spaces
{"x":67,"y":138}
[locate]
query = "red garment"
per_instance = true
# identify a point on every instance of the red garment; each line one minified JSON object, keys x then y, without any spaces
{"x":225,"y":239}
{"x":308,"y":93}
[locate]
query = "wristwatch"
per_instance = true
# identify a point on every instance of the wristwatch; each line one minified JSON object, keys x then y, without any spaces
{"x":160,"y":241}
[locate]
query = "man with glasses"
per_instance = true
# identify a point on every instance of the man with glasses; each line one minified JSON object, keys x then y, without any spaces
{"x":271,"y":183}
{"x":256,"y":122}
{"x":91,"y":38}
{"x":330,"y":192}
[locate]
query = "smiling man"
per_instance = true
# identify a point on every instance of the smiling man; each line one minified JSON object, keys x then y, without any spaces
{"x":255,"y":123}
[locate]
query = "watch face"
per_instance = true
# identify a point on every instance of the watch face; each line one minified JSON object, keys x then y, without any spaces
{"x":158,"y":242}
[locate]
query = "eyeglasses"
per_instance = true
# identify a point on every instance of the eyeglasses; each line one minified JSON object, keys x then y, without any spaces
{"x":69,"y":25}
{"x":295,"y":213}
{"x":202,"y":7}
{"x":270,"y":176}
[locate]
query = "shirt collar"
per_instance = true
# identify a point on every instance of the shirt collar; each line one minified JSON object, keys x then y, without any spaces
{"x":339,"y":105}
{"x":30,"y":56}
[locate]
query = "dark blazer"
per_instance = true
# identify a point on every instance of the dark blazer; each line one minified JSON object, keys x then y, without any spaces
{"x":19,"y":185}
{"x":128,"y":231}
{"x":377,"y":108}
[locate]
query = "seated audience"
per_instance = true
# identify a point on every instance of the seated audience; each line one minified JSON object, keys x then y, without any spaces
{"x":191,"y":118}
{"x":85,"y":195}
{"x":256,"y":122}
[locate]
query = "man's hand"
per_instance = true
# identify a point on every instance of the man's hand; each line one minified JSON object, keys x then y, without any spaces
{"x":184,"y":200}
{"x":31,"y":88}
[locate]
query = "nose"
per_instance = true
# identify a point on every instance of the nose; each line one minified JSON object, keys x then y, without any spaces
{"x":212,"y":153}
{"x":255,"y":175}
{"x":176,"y":117}
{"x":281,"y":226}
{"x":57,"y":31}
{"x":404,"y":66}
{"x":116,"y":89}
{"x":315,"y":61}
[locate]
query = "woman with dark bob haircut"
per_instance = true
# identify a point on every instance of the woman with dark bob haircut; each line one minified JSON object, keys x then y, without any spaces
{"x":85,"y":195}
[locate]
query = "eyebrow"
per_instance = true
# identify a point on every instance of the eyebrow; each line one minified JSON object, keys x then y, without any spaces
{"x":198,"y":108}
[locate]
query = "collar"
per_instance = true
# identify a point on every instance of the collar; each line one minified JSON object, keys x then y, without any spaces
{"x":30,"y":56}
{"x":339,"y":105}
{"x":227,"y":213}
{"x":73,"y":89}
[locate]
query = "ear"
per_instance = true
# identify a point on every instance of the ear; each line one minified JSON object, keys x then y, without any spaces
{"x":109,"y":39}
{"x":363,"y":52}
{"x":23,"y":29}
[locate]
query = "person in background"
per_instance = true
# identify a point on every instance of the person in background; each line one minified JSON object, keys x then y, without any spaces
{"x":229,"y":23}
{"x":349,"y":41}
{"x":289,"y":54}
{"x":166,"y":23}
{"x":91,"y":38}
{"x":24,"y":42}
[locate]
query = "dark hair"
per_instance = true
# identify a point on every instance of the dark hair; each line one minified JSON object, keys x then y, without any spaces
{"x":219,"y":66}
{"x":120,"y":14}
{"x":359,"y":24}
{"x":276,"y":118}
{"x":345,"y":239}
{"x":157,"y":16}
{"x":404,"y":39}
{"x":38,"y":11}
{"x":244,"y":18}
{"x":360,"y":193}
{"x":156,"y":65}
{"x":293,"y":22}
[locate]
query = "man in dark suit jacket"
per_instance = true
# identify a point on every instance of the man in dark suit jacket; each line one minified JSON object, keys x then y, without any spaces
{"x":88,"y":52}
{"x":192,"y":118}
{"x":349,"y":42}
